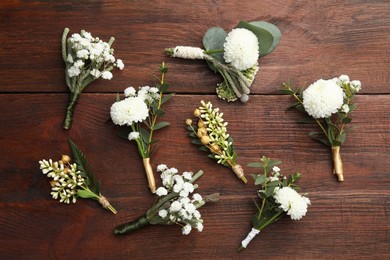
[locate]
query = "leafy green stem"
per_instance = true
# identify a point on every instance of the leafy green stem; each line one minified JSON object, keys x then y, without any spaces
{"x":214,"y":51}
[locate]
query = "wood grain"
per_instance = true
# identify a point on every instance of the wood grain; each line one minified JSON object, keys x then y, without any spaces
{"x":347,"y":219}
{"x":320,"y":40}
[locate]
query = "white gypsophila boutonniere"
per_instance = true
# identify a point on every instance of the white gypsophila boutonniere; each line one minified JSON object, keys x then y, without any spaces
{"x":73,"y":180}
{"x":327,"y":103}
{"x":174,"y":205}
{"x":234,"y":55}
{"x":86,"y":59}
{"x":277,"y":195}
{"x":211,"y":134}
{"x":137,"y":115}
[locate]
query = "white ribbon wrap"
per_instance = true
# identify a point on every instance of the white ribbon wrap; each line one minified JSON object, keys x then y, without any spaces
{"x":186,"y":52}
{"x":249,"y":237}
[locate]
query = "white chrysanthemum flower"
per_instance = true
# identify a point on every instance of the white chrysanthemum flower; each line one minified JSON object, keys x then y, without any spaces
{"x":161,"y":191}
{"x":119,"y":64}
{"x":186,"y":229}
{"x":323,"y":98}
{"x":161,"y":167}
{"x":163,"y":213}
{"x":106,"y":75}
{"x":291,"y":202}
{"x":133,"y":136}
{"x":241,"y":49}
{"x":128,"y":111}
{"x":73,"y":71}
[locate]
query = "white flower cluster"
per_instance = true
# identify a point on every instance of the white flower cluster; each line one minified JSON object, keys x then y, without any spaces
{"x":241,"y":49}
{"x":181,"y":210}
{"x":275,"y":174}
{"x":291,"y":202}
{"x":90,"y":56}
{"x":135,"y":107}
{"x":323,"y":98}
{"x":355,"y":85}
{"x":216,"y":128}
{"x":65,"y":180}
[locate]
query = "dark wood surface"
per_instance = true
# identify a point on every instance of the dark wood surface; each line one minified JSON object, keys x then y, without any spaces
{"x":320,"y":39}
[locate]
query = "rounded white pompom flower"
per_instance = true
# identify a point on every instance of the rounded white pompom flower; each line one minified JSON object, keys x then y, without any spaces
{"x":323,"y":98}
{"x":291,"y":202}
{"x":241,"y":49}
{"x":128,"y":111}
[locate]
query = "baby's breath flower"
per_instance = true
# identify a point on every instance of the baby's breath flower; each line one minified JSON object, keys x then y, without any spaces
{"x":133,"y":136}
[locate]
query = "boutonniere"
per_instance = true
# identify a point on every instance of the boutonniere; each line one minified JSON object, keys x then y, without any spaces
{"x":138,"y":115}
{"x":73,"y":180}
{"x":210,"y":132}
{"x":173,"y":204}
{"x":234,"y":55}
{"x":86,"y":59}
{"x":327,"y":103}
{"x":278,"y":197}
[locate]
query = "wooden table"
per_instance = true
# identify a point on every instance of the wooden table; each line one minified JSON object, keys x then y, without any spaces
{"x":320,"y":39}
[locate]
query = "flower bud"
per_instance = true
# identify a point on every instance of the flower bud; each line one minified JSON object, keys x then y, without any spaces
{"x":215,"y":148}
{"x":188,"y":121}
{"x":201,"y":124}
{"x":202,"y":131}
{"x":197,"y":112}
{"x":53,"y":183}
{"x":65,"y":159}
{"x":205,"y":139}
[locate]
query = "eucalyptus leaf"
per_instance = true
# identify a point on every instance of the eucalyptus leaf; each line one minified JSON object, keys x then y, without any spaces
{"x":214,"y":39}
{"x":306,"y":120}
{"x":197,"y":142}
{"x":159,"y":112}
{"x":260,"y":179}
{"x":346,"y":120}
{"x":164,"y":87}
{"x":166,"y":98}
{"x":268,"y":36}
{"x":255,"y":165}
{"x":145,"y":135}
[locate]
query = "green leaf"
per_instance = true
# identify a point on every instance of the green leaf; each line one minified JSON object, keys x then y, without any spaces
{"x":160,"y":125}
{"x":293,"y":105}
{"x":124,"y":132}
{"x":204,"y":149}
{"x":192,"y":134}
{"x":159,"y":112}
{"x":166,"y":98}
{"x":214,"y":39}
{"x":260,"y":179}
{"x":306,"y":120}
{"x":84,"y":167}
{"x":255,"y":165}
{"x":87,"y":194}
{"x":286,"y":92}
{"x":197,"y":142}
{"x":346,"y":120}
{"x":164,"y":87}
{"x":352,"y":107}
{"x":267,"y":34}
{"x":318,"y":136}
{"x":145,"y":135}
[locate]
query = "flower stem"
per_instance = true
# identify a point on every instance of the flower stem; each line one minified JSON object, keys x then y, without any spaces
{"x":337,"y":163}
{"x":149,"y":174}
{"x":132,"y":226}
{"x":214,"y":51}
{"x":69,"y":111}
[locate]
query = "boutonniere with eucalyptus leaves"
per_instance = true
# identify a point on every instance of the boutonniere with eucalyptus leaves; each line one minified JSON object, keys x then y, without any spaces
{"x":210,"y":132}
{"x":278,"y":197}
{"x":73,"y":180}
{"x":173,"y":204}
{"x":138,"y":115}
{"x":234,"y":55}
{"x":327,"y":103}
{"x":86,"y":59}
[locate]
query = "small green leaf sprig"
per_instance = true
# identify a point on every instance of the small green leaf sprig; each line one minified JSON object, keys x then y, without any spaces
{"x":233,"y":55}
{"x":86,"y":59}
{"x":278,"y":197}
{"x":329,"y":104}
{"x":138,"y":114}
{"x":212,"y":136}
{"x":73,"y":180}
{"x":173,"y":205}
